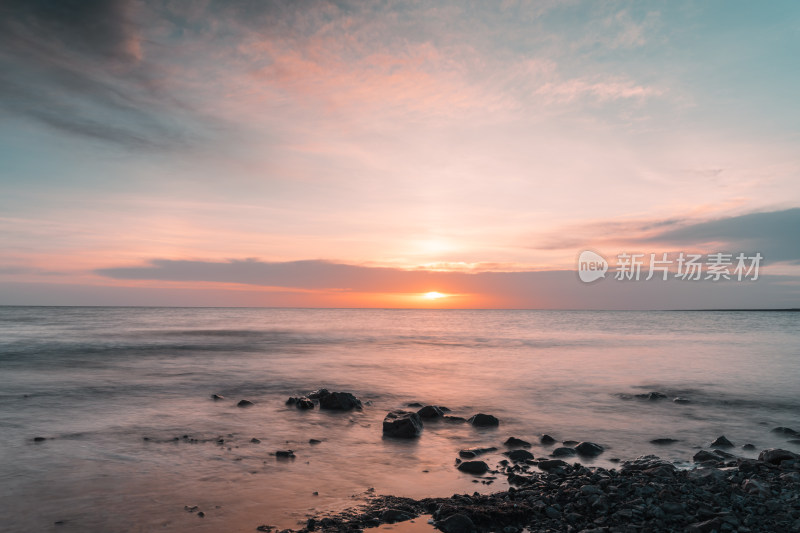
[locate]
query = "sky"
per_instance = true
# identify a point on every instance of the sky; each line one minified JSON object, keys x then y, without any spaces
{"x":369,"y":154}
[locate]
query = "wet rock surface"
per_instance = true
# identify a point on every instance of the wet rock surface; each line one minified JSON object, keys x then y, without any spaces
{"x":484,"y":420}
{"x":402,"y":425}
{"x":643,"y":495}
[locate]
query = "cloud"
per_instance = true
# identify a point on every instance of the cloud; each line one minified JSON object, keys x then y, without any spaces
{"x":558,"y":289}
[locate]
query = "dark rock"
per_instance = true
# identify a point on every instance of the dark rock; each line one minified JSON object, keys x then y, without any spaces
{"x":794,"y":441}
{"x":662,"y":442}
{"x":430,"y":411}
{"x":651,"y":396}
{"x":304,"y":403}
{"x":519,"y":455}
{"x":564,"y":452}
{"x":339,"y":401}
{"x":475,"y":452}
{"x":317,"y":394}
{"x":589,"y":449}
{"x":284,"y":453}
{"x":705,"y":527}
{"x":314,"y":441}
{"x":216,"y":397}
{"x":414,"y":404}
{"x":402,"y":424}
{"x":201,"y":514}
{"x":569,"y":442}
{"x":474,"y":467}
{"x":704,"y":455}
{"x":456,"y":523}
{"x":776,"y":455}
{"x":552,"y":464}
{"x":722,"y":442}
{"x":39,"y":439}
{"x":255,"y":441}
{"x":547,"y":439}
{"x":454,"y":419}
{"x":483,"y":420}
{"x":748,"y":446}
{"x":244,"y":403}
{"x":513,"y":442}
{"x":785,"y":431}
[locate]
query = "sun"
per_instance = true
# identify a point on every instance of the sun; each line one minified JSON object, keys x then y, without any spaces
{"x":433,"y":295}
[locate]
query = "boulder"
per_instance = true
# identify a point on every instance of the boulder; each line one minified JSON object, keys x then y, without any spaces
{"x":474,"y":467}
{"x":722,"y":442}
{"x":338,"y":401}
{"x":513,"y":442}
{"x":785,"y":431}
{"x":552,"y":464}
{"x":563,"y":452}
{"x":402,"y":424}
{"x":284,"y":453}
{"x":589,"y":449}
{"x":430,"y":411}
{"x":519,"y":455}
{"x":547,"y":439}
{"x":483,"y":420}
{"x":454,"y":419}
{"x":317,"y":394}
{"x":244,"y":403}
{"x":776,"y":455}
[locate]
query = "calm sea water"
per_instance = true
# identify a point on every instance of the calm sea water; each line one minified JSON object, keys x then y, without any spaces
{"x":95,"y":381}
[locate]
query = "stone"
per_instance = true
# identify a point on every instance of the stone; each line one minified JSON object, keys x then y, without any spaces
{"x":589,"y":449}
{"x":519,"y":455}
{"x":469,"y":453}
{"x":484,"y":420}
{"x":682,"y":400}
{"x":513,"y":442}
{"x":430,"y":411}
{"x":785,"y":431}
{"x":664,"y":442}
{"x":338,"y":401}
{"x":776,"y":455}
{"x":255,"y":441}
{"x":317,"y":394}
{"x":245,"y":403}
{"x":564,"y":452}
{"x":722,"y":442}
{"x":284,"y":453}
{"x":402,"y":424}
{"x":454,"y":419}
{"x":652,"y":396}
{"x":217,"y":397}
{"x":552,"y":464}
{"x":547,"y":439}
{"x":390,"y":516}
{"x":474,"y":467}
{"x":457,"y":523}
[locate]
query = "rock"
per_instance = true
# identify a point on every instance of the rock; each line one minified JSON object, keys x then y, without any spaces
{"x":284,"y":453}
{"x":454,"y":419}
{"x":317,"y":394}
{"x":552,"y":464}
{"x":651,"y":396}
{"x":217,"y":397}
{"x":474,"y":467}
{"x":39,"y":439}
{"x":469,"y":453}
{"x":776,"y":455}
{"x":794,"y":441}
{"x":430,"y":411}
{"x":785,"y":431}
{"x":748,"y":446}
{"x":302,"y":402}
{"x":513,"y":442}
{"x":570,"y":443}
{"x":390,"y":516}
{"x":339,"y":401}
{"x":564,"y":452}
{"x":457,"y":523}
{"x":705,"y":527}
{"x":402,"y":424}
{"x":483,"y":420}
{"x":414,"y":404}
{"x":682,"y":400}
{"x":547,"y":439}
{"x":589,"y":449}
{"x":663,"y":442}
{"x":314,"y":441}
{"x":722,"y":442}
{"x":255,"y":441}
{"x":519,"y":455}
{"x":201,"y":514}
{"x":245,"y":403}
{"x":704,"y":455}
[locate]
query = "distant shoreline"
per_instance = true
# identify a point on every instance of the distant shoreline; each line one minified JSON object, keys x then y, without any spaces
{"x":755,"y":310}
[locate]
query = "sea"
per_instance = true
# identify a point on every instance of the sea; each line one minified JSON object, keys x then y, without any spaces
{"x":107,"y":421}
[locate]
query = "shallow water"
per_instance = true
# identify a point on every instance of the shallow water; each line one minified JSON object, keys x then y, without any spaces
{"x":95,"y":381}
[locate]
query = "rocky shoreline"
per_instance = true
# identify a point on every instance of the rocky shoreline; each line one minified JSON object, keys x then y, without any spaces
{"x":644,"y":495}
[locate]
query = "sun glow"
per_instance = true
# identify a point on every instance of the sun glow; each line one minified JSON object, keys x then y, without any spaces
{"x":433,"y":295}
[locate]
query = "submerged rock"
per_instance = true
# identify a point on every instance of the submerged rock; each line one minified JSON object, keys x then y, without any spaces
{"x":552,"y":464}
{"x":563,"y":451}
{"x":474,"y":467}
{"x":217,"y":397}
{"x":662,"y":442}
{"x":456,"y":523}
{"x":652,"y":396}
{"x":454,"y":419}
{"x":317,"y":394}
{"x":338,"y":401}
{"x":245,"y":403}
{"x":430,"y":411}
{"x":284,"y":453}
{"x":589,"y":449}
{"x":484,"y":420}
{"x":722,"y":442}
{"x":785,"y":431}
{"x":519,"y":455}
{"x":402,"y":424}
{"x":513,"y":442}
{"x":301,"y":402}
{"x":776,"y":455}
{"x":547,"y":439}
